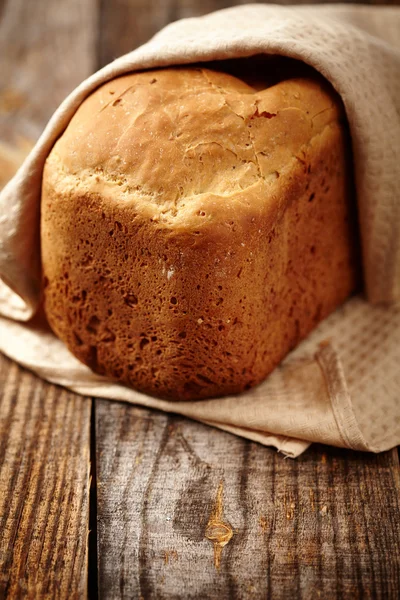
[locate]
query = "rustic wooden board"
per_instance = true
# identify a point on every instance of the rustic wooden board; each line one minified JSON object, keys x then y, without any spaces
{"x":44,"y":487}
{"x":46,"y":48}
{"x":186,"y":511}
{"x":172,"y":492}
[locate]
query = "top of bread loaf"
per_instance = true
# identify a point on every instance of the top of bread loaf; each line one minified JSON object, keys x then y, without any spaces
{"x":182,"y":142}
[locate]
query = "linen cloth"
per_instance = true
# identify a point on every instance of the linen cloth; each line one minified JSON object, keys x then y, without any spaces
{"x":341,"y":386}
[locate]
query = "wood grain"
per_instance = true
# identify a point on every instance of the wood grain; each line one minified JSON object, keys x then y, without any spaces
{"x":170,"y":491}
{"x":325,"y":525}
{"x":47,"y":47}
{"x":44,"y":487}
{"x":184,"y":511}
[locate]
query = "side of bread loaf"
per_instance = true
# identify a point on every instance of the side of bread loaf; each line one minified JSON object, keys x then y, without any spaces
{"x":194,"y":230}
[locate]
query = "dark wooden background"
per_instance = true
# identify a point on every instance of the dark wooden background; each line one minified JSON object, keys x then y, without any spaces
{"x":175,"y":509}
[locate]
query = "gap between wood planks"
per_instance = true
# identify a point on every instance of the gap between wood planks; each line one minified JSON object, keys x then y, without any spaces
{"x":93,"y":574}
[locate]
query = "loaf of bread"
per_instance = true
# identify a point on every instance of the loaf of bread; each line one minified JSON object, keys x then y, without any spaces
{"x":195,"y":229}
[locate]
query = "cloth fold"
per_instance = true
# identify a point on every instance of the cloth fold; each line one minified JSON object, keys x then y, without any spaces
{"x":344,"y":391}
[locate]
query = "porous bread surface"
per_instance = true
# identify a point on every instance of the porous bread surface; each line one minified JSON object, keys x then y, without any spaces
{"x":194,"y":230}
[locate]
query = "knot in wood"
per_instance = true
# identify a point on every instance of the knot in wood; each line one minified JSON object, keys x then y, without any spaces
{"x":219,"y":532}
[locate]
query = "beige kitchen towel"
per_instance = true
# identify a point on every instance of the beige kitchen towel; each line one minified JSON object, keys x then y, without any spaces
{"x":341,"y":386}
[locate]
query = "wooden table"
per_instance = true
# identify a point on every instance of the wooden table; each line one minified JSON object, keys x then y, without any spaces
{"x":175,"y":509}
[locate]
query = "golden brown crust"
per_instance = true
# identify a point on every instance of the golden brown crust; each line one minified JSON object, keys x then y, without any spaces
{"x":194,"y":229}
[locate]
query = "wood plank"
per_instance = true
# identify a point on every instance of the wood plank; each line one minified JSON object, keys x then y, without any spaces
{"x":49,"y":432}
{"x":47,"y":47}
{"x":186,"y":511}
{"x":44,"y":487}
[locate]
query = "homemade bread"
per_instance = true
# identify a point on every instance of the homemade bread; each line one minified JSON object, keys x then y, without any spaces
{"x":194,"y":229}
